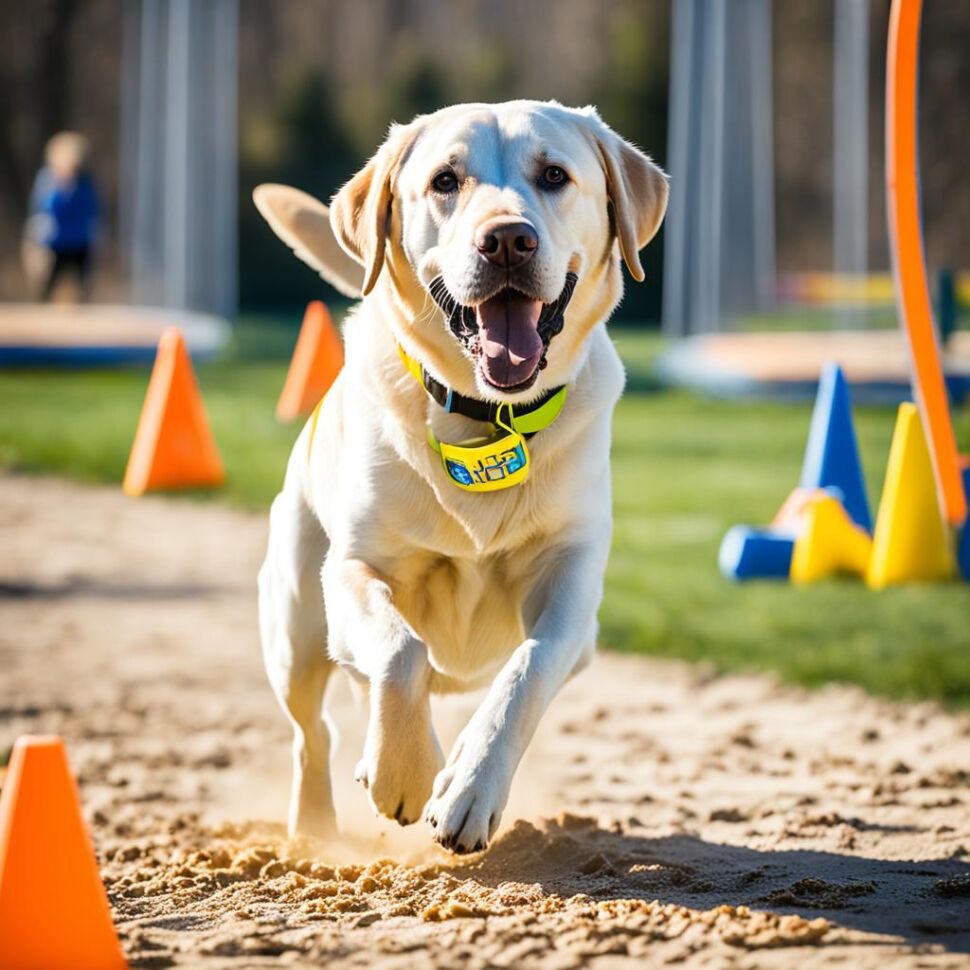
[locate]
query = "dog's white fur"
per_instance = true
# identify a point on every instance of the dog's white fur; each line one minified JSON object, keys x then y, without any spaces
{"x":426,"y":588}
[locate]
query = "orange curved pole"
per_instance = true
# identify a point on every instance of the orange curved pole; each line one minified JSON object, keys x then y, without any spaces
{"x":909,"y":263}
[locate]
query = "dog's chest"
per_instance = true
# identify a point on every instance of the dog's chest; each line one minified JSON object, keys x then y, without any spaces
{"x":468,"y":612}
{"x":461,"y":565}
{"x":473,"y":524}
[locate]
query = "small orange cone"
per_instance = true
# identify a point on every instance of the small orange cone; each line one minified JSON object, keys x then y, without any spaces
{"x":173,"y":446}
{"x":317,"y":359}
{"x":789,"y":516}
{"x":53,"y":909}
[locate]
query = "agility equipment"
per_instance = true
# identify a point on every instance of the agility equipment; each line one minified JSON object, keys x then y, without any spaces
{"x":922,"y":516}
{"x":908,"y":260}
{"x":832,"y":454}
{"x":753,"y":553}
{"x":911,"y":543}
{"x":54,"y":913}
{"x":831,"y":476}
{"x":173,"y":446}
{"x":98,"y":335}
{"x":829,"y":543}
{"x":749,"y":553}
{"x":316,"y":362}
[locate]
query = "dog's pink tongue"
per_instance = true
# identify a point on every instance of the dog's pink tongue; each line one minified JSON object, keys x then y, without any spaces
{"x":510,"y":338}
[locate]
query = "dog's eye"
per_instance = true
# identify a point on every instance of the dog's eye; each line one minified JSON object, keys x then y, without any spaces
{"x":553,"y":177}
{"x":445,"y":183}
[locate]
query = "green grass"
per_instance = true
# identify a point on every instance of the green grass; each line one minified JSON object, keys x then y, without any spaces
{"x":685,"y":469}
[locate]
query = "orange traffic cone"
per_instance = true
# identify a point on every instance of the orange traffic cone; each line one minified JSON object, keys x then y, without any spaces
{"x":173,"y":446}
{"x":53,"y":909}
{"x":317,"y":359}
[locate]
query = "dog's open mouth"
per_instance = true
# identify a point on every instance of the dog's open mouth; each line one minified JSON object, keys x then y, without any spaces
{"x":508,"y":334}
{"x":511,"y":346}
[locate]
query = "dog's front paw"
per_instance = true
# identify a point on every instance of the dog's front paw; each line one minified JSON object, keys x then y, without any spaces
{"x":468,"y":798}
{"x":398,"y":769}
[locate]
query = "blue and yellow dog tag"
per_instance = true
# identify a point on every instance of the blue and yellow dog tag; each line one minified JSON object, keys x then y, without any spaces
{"x":500,"y":460}
{"x":486,"y":464}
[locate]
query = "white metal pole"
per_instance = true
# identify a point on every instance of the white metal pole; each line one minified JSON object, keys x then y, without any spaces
{"x":177,"y":135}
{"x":677,"y":264}
{"x":711,"y":200}
{"x":850,"y":214}
{"x":761,"y":93}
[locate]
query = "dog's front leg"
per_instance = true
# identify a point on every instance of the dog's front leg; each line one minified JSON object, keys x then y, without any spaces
{"x":471,"y":791}
{"x":401,"y":753}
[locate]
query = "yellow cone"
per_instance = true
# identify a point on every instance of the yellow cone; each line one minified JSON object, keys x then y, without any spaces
{"x":911,"y":543}
{"x":829,"y":542}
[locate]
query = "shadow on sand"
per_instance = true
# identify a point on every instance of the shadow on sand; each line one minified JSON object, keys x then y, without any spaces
{"x":922,"y":902}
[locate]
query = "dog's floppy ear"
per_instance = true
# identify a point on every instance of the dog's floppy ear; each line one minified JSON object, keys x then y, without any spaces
{"x":303,"y":223}
{"x":637,"y":190}
{"x":360,"y":213}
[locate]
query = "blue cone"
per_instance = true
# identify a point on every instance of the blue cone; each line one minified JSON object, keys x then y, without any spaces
{"x":832,"y":455}
{"x":748,"y":553}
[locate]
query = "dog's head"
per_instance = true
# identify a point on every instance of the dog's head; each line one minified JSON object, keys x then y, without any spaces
{"x":496,"y":227}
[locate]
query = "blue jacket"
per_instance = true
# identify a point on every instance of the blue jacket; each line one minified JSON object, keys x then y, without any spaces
{"x":72,"y":211}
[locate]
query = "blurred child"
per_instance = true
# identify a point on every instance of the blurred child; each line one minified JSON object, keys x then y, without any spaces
{"x":63,"y":224}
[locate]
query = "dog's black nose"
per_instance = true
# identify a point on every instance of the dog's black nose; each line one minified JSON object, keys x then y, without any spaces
{"x":507,"y":244}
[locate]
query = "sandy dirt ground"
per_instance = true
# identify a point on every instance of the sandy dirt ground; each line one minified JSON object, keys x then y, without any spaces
{"x":663,"y":814}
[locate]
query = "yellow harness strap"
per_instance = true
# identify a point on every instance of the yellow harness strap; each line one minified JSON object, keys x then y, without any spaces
{"x":314,"y":418}
{"x":414,"y":366}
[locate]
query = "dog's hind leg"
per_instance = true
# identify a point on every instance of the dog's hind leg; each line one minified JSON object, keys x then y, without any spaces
{"x":294,"y":634}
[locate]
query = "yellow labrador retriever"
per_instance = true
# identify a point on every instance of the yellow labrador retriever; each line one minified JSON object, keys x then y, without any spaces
{"x":445,"y":519}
